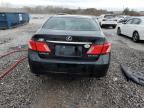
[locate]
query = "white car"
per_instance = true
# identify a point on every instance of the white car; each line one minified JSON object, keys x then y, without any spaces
{"x":107,"y":20}
{"x":122,"y":18}
{"x":133,"y":28}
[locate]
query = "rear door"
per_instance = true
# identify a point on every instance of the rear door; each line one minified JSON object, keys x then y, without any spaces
{"x":135,"y":26}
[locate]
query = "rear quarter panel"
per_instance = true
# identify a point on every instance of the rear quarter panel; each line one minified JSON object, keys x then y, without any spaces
{"x":121,"y":26}
{"x":140,"y":30}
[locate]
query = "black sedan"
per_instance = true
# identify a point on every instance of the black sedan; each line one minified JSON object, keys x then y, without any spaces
{"x":70,"y":45}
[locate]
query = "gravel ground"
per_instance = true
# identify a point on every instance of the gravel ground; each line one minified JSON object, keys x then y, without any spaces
{"x":21,"y":89}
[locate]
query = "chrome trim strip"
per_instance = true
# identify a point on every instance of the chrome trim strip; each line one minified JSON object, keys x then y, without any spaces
{"x":64,"y":42}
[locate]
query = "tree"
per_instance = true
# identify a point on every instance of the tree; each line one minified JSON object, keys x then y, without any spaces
{"x":126,"y":11}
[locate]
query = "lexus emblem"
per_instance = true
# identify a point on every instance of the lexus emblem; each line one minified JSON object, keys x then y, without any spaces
{"x":68,"y":38}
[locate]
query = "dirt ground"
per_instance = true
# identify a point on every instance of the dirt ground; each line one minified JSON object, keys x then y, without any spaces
{"x":22,"y":89}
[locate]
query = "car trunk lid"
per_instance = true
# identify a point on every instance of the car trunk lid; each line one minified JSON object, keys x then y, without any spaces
{"x":69,"y":44}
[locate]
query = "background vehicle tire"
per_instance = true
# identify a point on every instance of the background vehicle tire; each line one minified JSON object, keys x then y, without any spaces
{"x":135,"y":37}
{"x":113,"y":27}
{"x":118,"y":31}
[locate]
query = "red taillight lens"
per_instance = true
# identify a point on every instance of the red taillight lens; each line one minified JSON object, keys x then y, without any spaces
{"x":42,"y":47}
{"x":32,"y":45}
{"x":95,"y":49}
{"x":106,"y":48}
{"x":38,"y":46}
{"x":99,"y":49}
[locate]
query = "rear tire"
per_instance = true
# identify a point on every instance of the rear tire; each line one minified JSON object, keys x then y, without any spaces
{"x":34,"y":71}
{"x":99,"y":74}
{"x":118,"y":31}
{"x":135,"y":37}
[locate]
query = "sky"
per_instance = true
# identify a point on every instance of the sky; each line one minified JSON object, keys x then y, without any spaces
{"x":100,"y":4}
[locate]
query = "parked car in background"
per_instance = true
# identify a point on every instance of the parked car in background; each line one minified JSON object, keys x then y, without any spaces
{"x":71,"y":45}
{"x":107,"y":20}
{"x":123,"y":19}
{"x":133,"y":28}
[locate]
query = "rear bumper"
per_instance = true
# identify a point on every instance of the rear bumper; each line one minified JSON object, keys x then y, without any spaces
{"x":107,"y":23}
{"x":50,"y":66}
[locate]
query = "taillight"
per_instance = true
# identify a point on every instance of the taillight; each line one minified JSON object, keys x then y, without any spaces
{"x":32,"y":45}
{"x":106,"y":48}
{"x":99,"y":49}
{"x":42,"y":47}
{"x":38,"y":46}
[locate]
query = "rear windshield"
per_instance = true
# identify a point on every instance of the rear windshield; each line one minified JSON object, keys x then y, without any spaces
{"x":72,"y":24}
{"x":109,"y":16}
